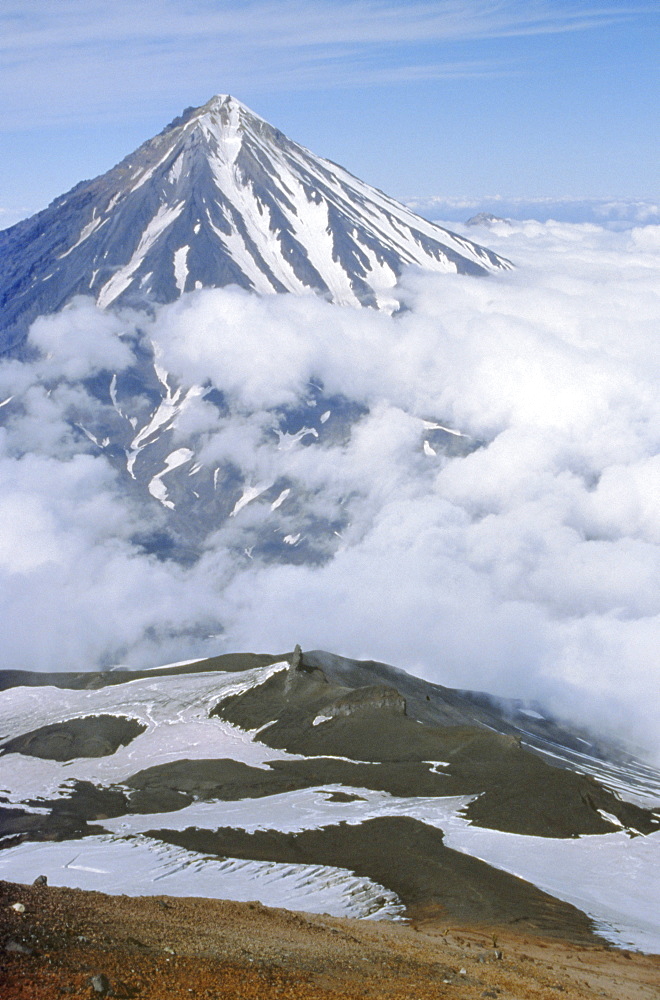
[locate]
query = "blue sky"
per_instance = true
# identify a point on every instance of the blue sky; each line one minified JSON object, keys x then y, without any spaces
{"x":431,"y":98}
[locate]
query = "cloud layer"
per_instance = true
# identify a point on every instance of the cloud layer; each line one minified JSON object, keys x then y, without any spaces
{"x":612,"y":213}
{"x":526,"y":565}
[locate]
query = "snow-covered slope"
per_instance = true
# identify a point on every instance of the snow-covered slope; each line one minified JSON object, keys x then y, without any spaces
{"x":330,"y":790}
{"x":219,"y":197}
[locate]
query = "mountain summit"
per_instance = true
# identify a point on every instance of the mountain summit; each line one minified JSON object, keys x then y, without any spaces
{"x":219,"y":197}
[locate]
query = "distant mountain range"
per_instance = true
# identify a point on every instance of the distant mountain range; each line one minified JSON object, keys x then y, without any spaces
{"x":219,"y":197}
{"x":330,"y":785}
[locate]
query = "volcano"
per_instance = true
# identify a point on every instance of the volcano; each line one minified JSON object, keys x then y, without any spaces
{"x":218,"y":198}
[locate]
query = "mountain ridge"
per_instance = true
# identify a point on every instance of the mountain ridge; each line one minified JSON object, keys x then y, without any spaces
{"x":309,"y":773}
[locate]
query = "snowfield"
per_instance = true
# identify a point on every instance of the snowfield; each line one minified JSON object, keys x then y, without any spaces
{"x":614,"y":878}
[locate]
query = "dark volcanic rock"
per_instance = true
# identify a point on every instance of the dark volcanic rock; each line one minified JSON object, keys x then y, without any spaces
{"x":89,"y":680}
{"x":518,"y":791}
{"x":13,"y":947}
{"x":296,"y":701}
{"x":93,"y":736}
{"x":409,"y":858}
{"x":69,"y":817}
{"x":174,"y":785}
{"x":100,"y":984}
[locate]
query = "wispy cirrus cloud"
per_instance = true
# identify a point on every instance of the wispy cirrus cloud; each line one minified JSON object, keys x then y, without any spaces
{"x":67,"y":61}
{"x":297,"y":23}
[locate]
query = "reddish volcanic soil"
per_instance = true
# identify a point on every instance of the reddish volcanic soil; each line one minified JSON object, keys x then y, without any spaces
{"x":157,"y":948}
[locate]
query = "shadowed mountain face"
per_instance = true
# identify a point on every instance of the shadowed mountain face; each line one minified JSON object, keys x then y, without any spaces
{"x":318,"y":782}
{"x":220,"y":197}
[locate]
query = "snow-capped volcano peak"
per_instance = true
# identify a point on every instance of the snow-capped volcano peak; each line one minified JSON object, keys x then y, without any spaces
{"x":230,"y":107}
{"x":220,"y":197}
{"x":225,"y":120}
{"x":226,"y":102}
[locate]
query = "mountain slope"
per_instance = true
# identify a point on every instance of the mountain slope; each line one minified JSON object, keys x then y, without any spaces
{"x":219,"y":197}
{"x":328,"y":785}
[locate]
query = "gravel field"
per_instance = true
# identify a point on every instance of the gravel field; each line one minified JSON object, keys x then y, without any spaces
{"x":67,"y":942}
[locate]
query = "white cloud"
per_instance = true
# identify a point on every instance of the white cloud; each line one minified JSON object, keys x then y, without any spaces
{"x":81,"y":340}
{"x":528,"y":567}
{"x":35,"y":23}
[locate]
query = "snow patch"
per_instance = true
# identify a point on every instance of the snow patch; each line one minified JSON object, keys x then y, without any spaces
{"x":280,"y":500}
{"x":86,"y":232}
{"x":146,"y":867}
{"x":530,"y":713}
{"x":122,"y":278}
{"x":429,"y":425}
{"x":173,"y":461}
{"x":250,"y":493}
{"x":181,"y":268}
{"x":175,"y":710}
